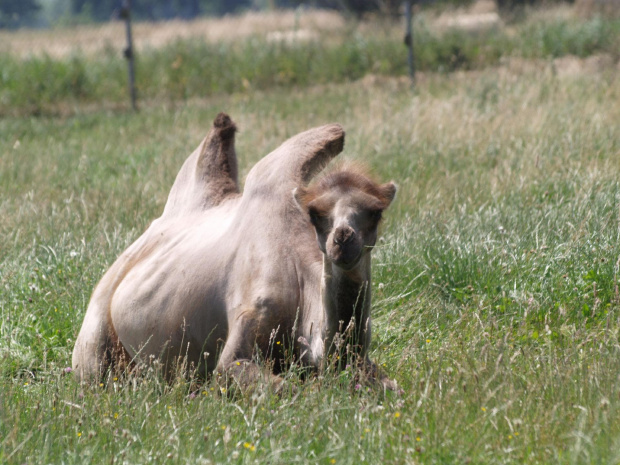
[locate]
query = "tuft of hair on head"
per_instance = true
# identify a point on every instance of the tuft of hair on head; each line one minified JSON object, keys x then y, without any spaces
{"x":351,"y":166}
{"x":346,"y":175}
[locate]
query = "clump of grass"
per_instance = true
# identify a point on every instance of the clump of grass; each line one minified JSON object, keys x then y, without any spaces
{"x":555,"y":38}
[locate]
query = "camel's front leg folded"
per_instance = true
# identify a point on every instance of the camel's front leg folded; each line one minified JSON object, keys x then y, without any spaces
{"x":375,"y":375}
{"x":236,"y":367}
{"x":247,"y":376}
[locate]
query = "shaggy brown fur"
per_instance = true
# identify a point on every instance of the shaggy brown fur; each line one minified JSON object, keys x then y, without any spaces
{"x":347,"y":177}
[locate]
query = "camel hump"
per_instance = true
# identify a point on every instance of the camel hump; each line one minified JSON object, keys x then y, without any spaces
{"x":210,"y":174}
{"x":225,"y":125}
{"x":297,"y":160}
{"x":313,"y":150}
{"x":216,"y":167}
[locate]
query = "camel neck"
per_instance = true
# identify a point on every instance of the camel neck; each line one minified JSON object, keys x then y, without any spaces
{"x":346,"y":295}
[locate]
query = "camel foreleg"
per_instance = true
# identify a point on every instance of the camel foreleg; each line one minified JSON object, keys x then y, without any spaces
{"x":237,"y":368}
{"x":375,"y":376}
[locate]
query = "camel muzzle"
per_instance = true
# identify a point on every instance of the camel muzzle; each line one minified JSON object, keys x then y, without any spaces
{"x":343,"y":235}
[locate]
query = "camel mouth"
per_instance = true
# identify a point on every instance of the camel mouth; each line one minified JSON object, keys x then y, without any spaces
{"x":345,"y":259}
{"x":346,"y":266}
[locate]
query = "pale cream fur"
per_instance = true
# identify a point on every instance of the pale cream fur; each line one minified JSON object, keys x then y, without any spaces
{"x":223,"y":276}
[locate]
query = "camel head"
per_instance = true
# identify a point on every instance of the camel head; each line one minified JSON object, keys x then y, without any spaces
{"x":345,"y":208}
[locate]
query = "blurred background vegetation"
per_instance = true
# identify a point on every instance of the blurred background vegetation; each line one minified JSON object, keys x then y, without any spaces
{"x":48,"y":13}
{"x":56,"y":55}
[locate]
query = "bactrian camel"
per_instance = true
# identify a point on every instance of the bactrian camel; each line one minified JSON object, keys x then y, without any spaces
{"x":225,"y":278}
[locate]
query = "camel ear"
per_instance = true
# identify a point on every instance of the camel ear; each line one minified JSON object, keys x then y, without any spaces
{"x":299,"y":194}
{"x":388,"y":192}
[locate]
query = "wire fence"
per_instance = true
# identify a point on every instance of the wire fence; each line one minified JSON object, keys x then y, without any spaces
{"x":94,"y":38}
{"x":166,"y":45}
{"x":178,"y":59}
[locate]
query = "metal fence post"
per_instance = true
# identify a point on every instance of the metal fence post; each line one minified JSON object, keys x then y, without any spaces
{"x":409,"y":40}
{"x":128,"y":52}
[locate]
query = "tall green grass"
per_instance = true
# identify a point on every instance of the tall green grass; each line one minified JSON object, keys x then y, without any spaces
{"x":495,"y":297}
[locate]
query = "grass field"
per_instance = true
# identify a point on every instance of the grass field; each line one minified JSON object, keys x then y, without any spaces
{"x":496,"y":303}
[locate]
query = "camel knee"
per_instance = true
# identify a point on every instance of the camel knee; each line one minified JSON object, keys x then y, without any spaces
{"x":373,"y":376}
{"x":247,"y":376}
{"x":88,"y":361}
{"x":94,"y":351}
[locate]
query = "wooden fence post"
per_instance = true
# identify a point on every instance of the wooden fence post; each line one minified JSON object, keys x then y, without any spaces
{"x":409,"y":39}
{"x":128,"y":52}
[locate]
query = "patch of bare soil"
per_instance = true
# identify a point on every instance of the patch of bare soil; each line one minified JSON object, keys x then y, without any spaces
{"x":571,"y":65}
{"x":589,"y":8}
{"x":479,"y":16}
{"x":567,"y":66}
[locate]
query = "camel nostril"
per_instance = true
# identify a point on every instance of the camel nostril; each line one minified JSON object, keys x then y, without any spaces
{"x":343,"y":235}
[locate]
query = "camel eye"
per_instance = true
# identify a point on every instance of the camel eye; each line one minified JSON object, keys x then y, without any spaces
{"x":375,"y":215}
{"x":315,"y":217}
